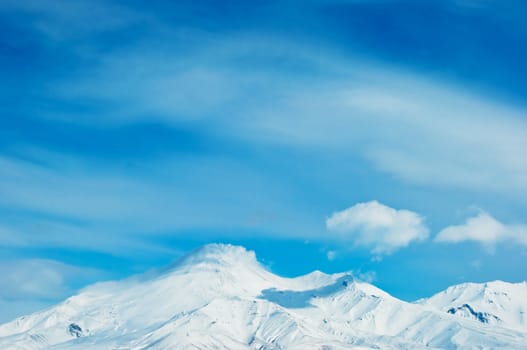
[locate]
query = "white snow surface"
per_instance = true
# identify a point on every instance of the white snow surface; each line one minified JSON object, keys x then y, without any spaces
{"x":220,"y":297}
{"x":497,"y":303}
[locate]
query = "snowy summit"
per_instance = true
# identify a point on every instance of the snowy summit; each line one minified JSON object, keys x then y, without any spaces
{"x":220,"y":297}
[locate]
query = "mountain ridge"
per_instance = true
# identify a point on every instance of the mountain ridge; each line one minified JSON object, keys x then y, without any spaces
{"x":221,"y":297}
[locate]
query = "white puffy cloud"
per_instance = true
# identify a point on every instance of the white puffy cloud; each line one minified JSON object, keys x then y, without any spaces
{"x":484,"y":229}
{"x":378,"y":227}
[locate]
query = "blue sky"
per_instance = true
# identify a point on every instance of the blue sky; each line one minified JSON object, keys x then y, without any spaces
{"x":383,"y":137}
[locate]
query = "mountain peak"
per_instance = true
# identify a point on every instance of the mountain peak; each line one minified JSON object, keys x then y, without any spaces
{"x":219,"y":254}
{"x":497,"y":302}
{"x":218,"y":296}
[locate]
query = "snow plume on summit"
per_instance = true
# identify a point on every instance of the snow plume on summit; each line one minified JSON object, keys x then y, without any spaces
{"x":219,"y":255}
{"x":220,"y":297}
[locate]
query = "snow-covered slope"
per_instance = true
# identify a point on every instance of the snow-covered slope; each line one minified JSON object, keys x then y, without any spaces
{"x":220,"y":297}
{"x":495,"y":303}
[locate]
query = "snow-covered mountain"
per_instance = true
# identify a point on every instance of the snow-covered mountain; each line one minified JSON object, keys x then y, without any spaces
{"x":495,"y":303}
{"x":220,"y":297}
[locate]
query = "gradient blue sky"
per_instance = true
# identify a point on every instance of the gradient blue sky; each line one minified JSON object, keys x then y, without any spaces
{"x":131,"y":133}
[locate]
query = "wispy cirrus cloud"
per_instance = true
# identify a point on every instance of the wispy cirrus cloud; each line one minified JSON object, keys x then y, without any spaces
{"x":80,"y":203}
{"x":422,"y":130}
{"x":30,"y":283}
{"x":65,"y":20}
{"x":126,"y":122}
{"x":265,"y":88}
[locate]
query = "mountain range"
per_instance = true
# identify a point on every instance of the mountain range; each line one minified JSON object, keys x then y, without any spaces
{"x":221,"y":297}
